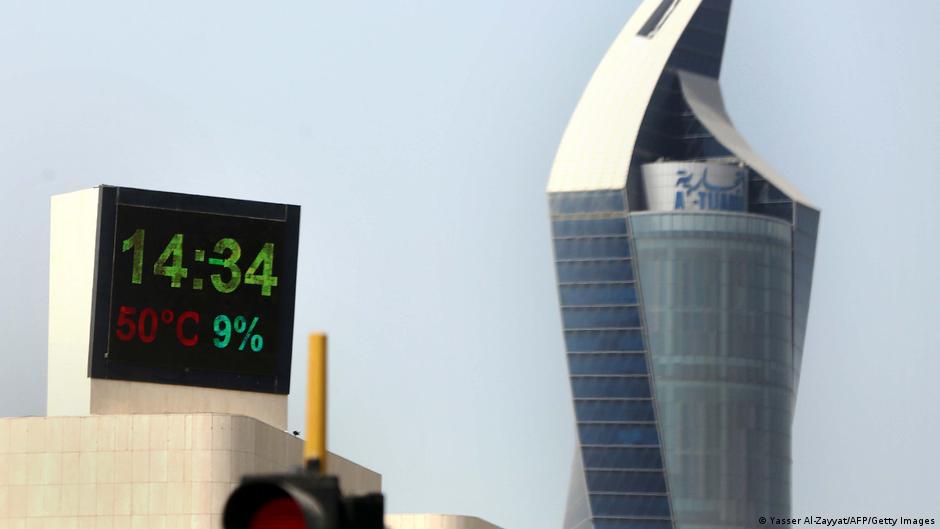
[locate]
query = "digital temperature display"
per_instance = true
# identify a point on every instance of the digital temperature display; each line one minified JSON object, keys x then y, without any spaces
{"x":194,"y":290}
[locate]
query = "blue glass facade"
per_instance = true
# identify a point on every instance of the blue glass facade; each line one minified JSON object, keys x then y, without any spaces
{"x":683,"y":330}
{"x":681,"y":358}
{"x":717,"y":291}
{"x":620,"y":460}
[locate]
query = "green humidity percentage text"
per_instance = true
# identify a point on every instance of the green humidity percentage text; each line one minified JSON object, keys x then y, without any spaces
{"x":223,"y":327}
{"x":227,"y":253}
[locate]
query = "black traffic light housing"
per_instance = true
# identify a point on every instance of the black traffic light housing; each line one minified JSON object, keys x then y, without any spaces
{"x":318,"y":498}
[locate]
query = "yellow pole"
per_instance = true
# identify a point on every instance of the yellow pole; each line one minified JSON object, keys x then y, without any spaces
{"x":315,"y":445}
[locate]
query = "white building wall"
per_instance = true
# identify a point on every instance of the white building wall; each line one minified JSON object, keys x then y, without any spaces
{"x":73,"y":225}
{"x":598,"y":143}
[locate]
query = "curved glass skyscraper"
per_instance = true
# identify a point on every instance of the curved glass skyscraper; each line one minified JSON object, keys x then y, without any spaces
{"x":684,"y":266}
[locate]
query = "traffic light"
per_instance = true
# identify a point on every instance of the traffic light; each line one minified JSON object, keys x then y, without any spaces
{"x":303,"y":500}
{"x":307,"y":499}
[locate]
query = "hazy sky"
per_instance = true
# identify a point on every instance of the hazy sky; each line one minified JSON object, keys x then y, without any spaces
{"x":418,"y":138}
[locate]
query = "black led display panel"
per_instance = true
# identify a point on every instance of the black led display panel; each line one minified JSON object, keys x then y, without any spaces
{"x":194,"y":290}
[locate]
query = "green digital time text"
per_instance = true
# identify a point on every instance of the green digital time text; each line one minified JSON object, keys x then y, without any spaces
{"x":170,"y":263}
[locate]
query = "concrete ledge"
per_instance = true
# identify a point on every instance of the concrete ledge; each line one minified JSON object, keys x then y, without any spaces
{"x":435,"y":521}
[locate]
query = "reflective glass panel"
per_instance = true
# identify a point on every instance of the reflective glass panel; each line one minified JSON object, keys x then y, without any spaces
{"x":607,"y":364}
{"x":711,"y":20}
{"x":602,"y":523}
{"x":625,"y":481}
{"x":782,"y":210}
{"x":620,"y":340}
{"x":606,"y":294}
{"x":617,"y":505}
{"x":589,"y":202}
{"x":589,"y":271}
{"x":618,"y":434}
{"x":656,"y":18}
{"x":610,"y":387}
{"x":614,"y":410}
{"x":592,"y":247}
{"x":569,"y":228}
{"x":600,"y":317}
{"x":622,"y":457}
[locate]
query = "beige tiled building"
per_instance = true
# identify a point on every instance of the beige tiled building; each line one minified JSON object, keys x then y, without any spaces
{"x":166,"y":471}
